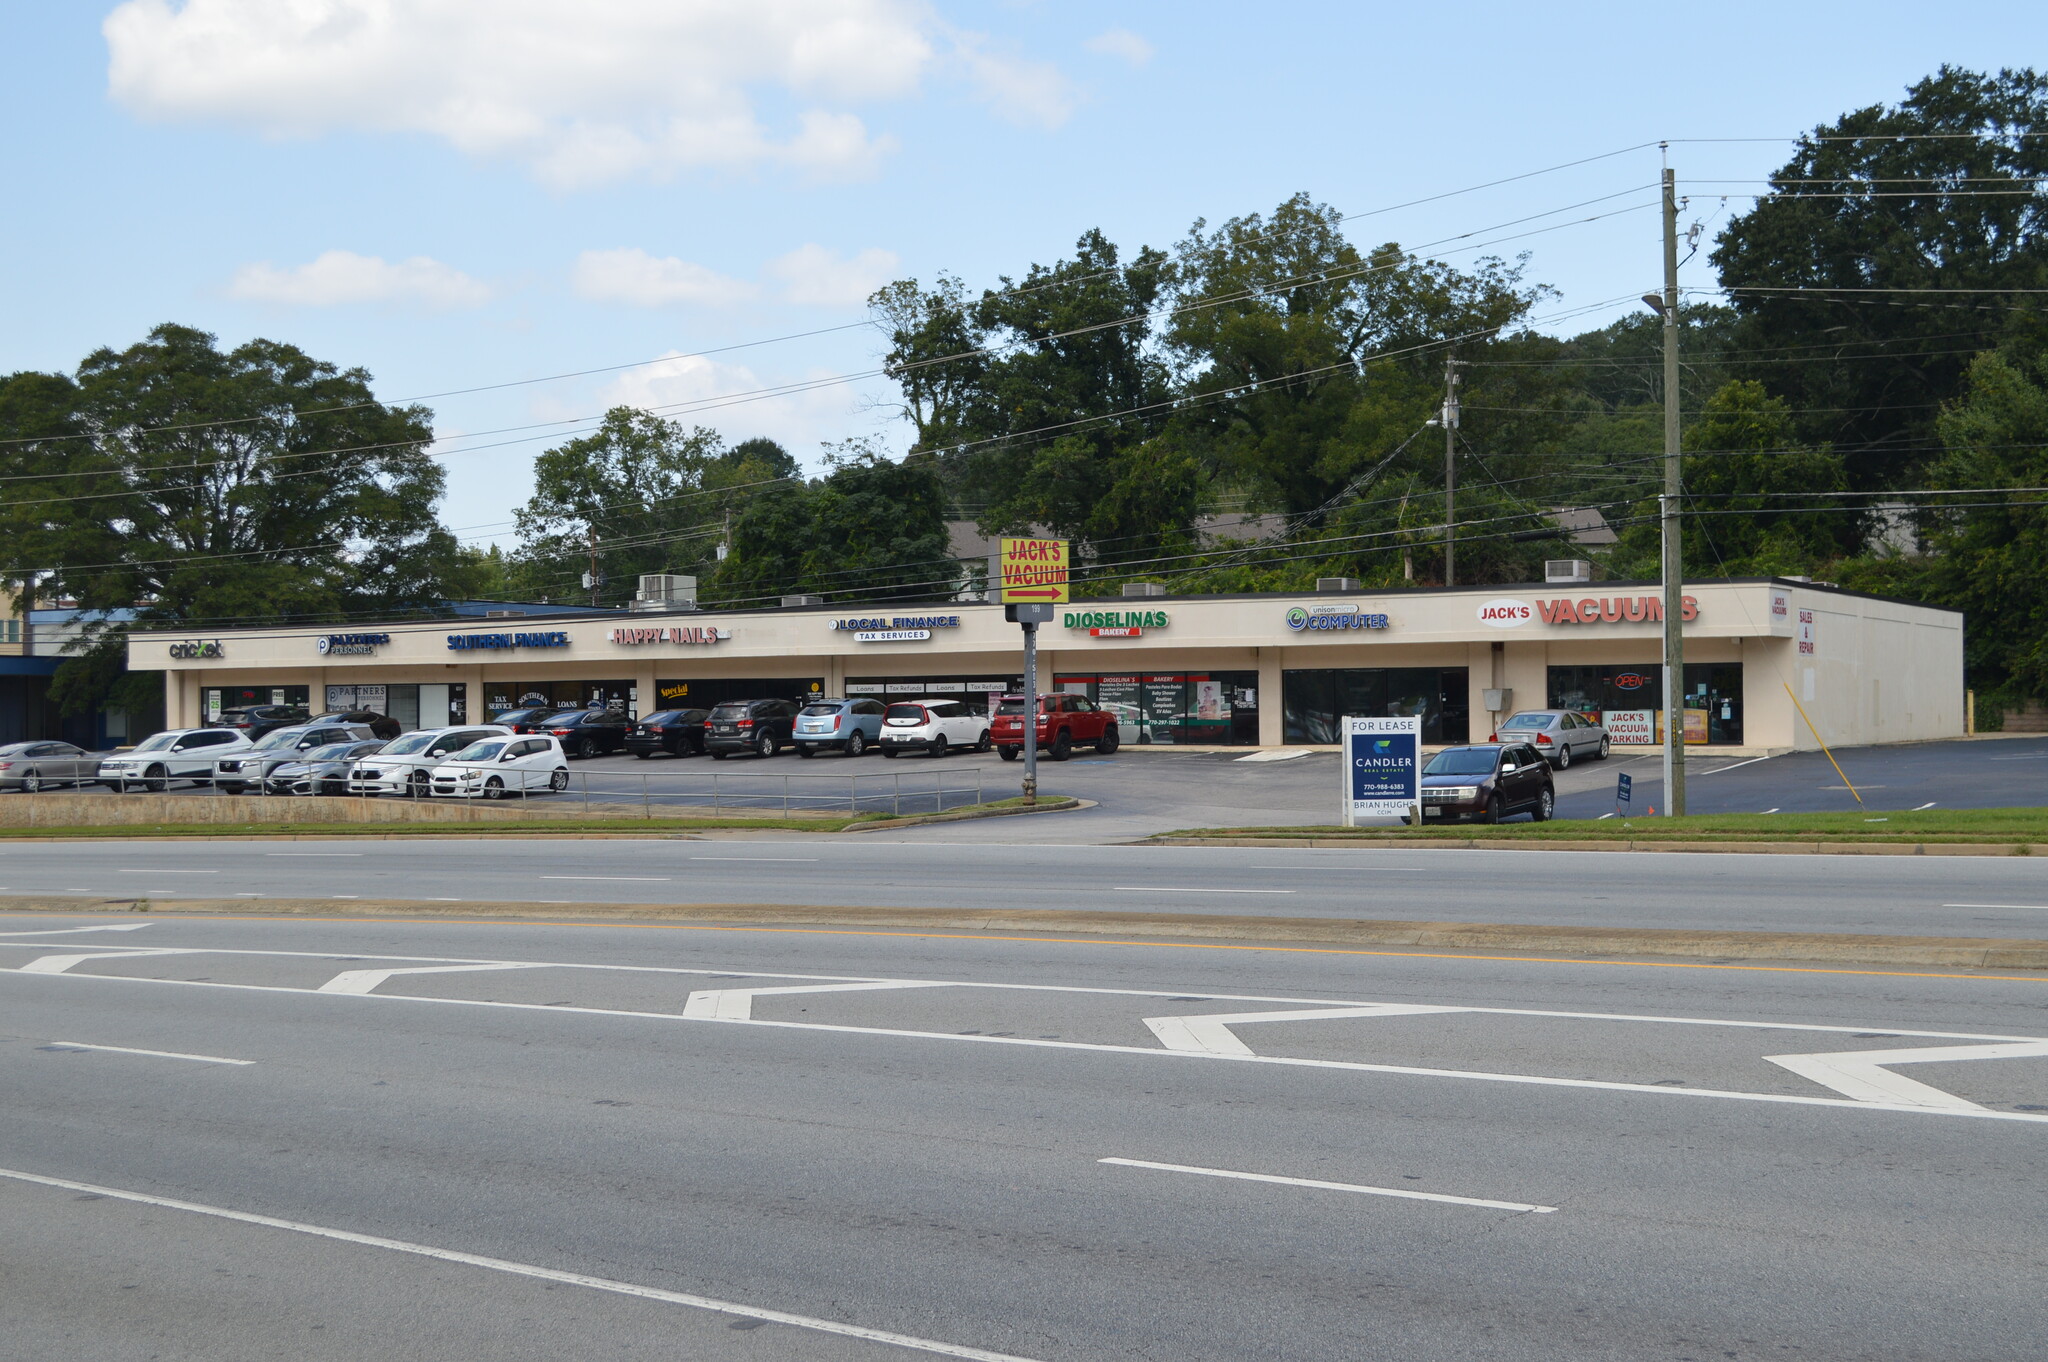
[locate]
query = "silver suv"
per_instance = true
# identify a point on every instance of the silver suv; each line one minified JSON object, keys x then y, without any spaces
{"x":175,"y":754}
{"x":237,"y":771}
{"x":850,"y":726}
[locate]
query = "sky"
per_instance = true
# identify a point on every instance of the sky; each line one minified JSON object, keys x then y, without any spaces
{"x":524,"y":212}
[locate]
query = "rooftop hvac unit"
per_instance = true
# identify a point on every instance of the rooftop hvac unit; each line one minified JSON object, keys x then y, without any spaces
{"x":1144,"y":588}
{"x":665,"y":590}
{"x":1567,"y":570}
{"x":797,"y":602}
{"x":1337,"y":586}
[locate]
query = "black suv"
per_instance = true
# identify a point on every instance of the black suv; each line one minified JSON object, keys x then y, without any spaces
{"x":678,"y":732}
{"x":759,"y":726}
{"x":523,"y":720}
{"x":253,"y":721}
{"x":381,"y":725}
{"x":585,"y":732}
{"x":1487,"y":782}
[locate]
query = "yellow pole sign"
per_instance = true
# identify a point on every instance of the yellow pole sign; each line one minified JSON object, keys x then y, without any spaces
{"x":1034,"y":571}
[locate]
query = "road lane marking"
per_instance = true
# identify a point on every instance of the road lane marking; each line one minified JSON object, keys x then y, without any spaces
{"x":67,"y":931}
{"x":367,"y":980}
{"x":153,"y":1054}
{"x":2037,"y":907}
{"x":1770,"y":810}
{"x":1861,"y":1075}
{"x":1318,"y":1183}
{"x":1350,"y":1066}
{"x":58,"y":964}
{"x":1716,"y":770}
{"x":737,"y":1004}
{"x":1211,"y":1035}
{"x":1928,"y":805}
{"x":755,"y":858}
{"x":166,"y":872}
{"x":1168,"y":889}
{"x":315,"y":853}
{"x":546,"y":1274}
{"x":647,"y":878}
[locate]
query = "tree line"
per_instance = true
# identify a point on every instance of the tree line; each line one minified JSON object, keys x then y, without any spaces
{"x":1250,"y":408}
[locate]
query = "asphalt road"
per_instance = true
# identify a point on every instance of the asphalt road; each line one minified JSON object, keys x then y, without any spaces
{"x":593,"y":1142}
{"x":1933,"y":896}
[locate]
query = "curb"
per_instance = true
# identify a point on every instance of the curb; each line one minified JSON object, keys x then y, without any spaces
{"x":1326,"y":933}
{"x":1618,"y":844}
{"x":1054,"y":804}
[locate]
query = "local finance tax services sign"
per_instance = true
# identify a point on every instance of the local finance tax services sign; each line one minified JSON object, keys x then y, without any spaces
{"x":350,"y":645}
{"x":1506,"y":612}
{"x":673,"y":633}
{"x":1114,"y":623}
{"x":1033,"y":571}
{"x":896,"y":628}
{"x":1382,"y":767}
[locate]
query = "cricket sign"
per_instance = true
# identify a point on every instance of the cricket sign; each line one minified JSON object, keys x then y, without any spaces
{"x":1382,"y":767}
{"x":1034,"y":571}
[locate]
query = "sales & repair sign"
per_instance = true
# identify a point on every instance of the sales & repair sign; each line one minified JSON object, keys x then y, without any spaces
{"x":1382,"y":766}
{"x":1034,"y":571}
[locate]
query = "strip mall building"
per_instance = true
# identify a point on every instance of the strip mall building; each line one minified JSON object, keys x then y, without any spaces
{"x":1260,"y":670}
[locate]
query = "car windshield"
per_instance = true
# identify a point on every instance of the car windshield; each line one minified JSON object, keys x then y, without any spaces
{"x":1461,"y":761}
{"x":1535,"y":718}
{"x":279,"y":737}
{"x":479,"y":751}
{"x":905,"y":714}
{"x":334,"y":751}
{"x":1010,"y":705}
{"x":157,"y":743}
{"x":410,"y":743}
{"x":738,"y":711}
{"x":818,"y":711}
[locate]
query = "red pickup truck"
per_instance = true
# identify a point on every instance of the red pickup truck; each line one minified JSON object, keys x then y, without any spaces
{"x":1064,"y":721}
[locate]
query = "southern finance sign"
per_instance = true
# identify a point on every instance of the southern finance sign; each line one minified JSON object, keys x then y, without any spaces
{"x":1382,"y":766}
{"x":1034,"y":571}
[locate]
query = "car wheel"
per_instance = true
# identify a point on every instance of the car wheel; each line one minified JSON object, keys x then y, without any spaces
{"x":1062,"y":746}
{"x":643,"y":755}
{"x":719,"y":756}
{"x":1564,"y":756}
{"x":32,"y":782}
{"x":939,"y":747}
{"x":156,"y":780}
{"x":418,"y":786}
{"x":1493,"y":812}
{"x":1109,"y":741}
{"x":806,"y":749}
{"x":586,"y":748}
{"x":1603,"y":747}
{"x":856,"y":745}
{"x":231,"y":787}
{"x":766,"y":745}
{"x":558,"y":781}
{"x":1009,"y":753}
{"x":890,"y":752}
{"x":1546,"y":805}
{"x":494,"y":788}
{"x":985,"y":742}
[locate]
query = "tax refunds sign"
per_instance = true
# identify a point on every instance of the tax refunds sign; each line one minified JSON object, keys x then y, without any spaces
{"x":1382,"y":767}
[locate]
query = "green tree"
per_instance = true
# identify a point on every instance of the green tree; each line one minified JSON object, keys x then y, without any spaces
{"x":1895,"y":244}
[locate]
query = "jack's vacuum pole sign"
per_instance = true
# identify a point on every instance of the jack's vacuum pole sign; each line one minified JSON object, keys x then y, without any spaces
{"x":1034,"y":571}
{"x":1382,"y":767}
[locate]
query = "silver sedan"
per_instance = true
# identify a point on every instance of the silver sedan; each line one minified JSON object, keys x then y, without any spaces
{"x":33,"y":766}
{"x":1562,"y":736}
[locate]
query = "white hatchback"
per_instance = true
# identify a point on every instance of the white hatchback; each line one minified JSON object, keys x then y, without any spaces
{"x":405,"y":765}
{"x":932,"y":725}
{"x":498,"y":767}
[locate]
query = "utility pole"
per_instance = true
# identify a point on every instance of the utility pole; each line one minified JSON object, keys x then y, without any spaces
{"x":1674,"y":547}
{"x":1449,"y":418}
{"x":590,"y":578}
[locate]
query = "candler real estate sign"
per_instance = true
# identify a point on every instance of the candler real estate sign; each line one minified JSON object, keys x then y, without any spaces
{"x":1382,"y":767}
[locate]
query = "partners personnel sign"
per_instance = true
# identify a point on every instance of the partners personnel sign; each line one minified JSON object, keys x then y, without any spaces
{"x":1034,"y":571}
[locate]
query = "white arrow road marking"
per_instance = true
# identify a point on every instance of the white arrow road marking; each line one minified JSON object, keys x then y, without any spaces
{"x":1860,"y":1073}
{"x":1320,"y":1185}
{"x":367,"y":980}
{"x":1211,"y":1035}
{"x":67,"y":931}
{"x":545,"y":1274}
{"x":737,"y":1004}
{"x":58,"y":964}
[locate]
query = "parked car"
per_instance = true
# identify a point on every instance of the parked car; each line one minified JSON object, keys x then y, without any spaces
{"x":174,"y":754}
{"x":678,"y":732}
{"x":33,"y":766}
{"x":380,"y":725}
{"x":849,"y":726}
{"x":587,"y":732}
{"x":763,"y":727}
{"x":1487,"y":782}
{"x":522,"y":720}
{"x":253,"y":721}
{"x":1561,"y":735}
{"x":933,"y":725}
{"x":502,"y":766}
{"x":322,"y":771}
{"x":235,"y":772}
{"x":405,"y":766}
{"x":1064,"y":722}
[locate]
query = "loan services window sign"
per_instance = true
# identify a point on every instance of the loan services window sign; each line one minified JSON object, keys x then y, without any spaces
{"x":684,"y":634}
{"x":1382,"y":769}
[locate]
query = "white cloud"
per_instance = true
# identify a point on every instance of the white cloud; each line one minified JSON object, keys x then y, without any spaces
{"x":821,"y":277}
{"x":581,"y":93}
{"x":1120,"y":42}
{"x":631,"y":275}
{"x":345,"y":277}
{"x":799,"y":412}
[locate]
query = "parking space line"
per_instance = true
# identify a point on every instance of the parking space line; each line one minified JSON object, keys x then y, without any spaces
{"x":1319,"y":1184}
{"x":153,"y":1054}
{"x":314,"y":853}
{"x":754,"y":858}
{"x":546,"y":1274}
{"x":166,"y":872}
{"x":2037,"y":907}
{"x":644,"y":878}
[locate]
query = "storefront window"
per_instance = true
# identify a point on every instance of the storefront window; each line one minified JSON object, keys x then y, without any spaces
{"x":214,"y":699}
{"x":1215,"y":709}
{"x":500,"y":696}
{"x":1635,"y":694}
{"x":1312,"y":702}
{"x":977,"y":692}
{"x":703,"y":694}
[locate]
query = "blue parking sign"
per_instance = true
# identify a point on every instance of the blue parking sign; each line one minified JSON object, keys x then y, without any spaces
{"x":1382,"y":766}
{"x":1622,"y":786}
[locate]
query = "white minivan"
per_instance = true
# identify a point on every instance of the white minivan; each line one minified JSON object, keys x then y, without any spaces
{"x":932,"y":725}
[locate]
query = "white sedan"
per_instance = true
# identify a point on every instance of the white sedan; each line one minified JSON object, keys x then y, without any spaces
{"x":496,"y":768}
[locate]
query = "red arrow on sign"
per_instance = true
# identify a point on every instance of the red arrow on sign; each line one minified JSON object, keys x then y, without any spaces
{"x":1020,"y":591}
